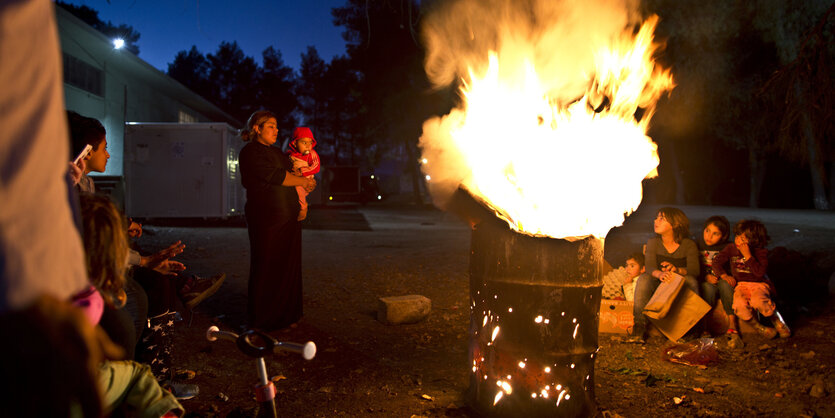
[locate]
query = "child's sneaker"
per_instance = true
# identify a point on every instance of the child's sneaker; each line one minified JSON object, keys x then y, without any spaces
{"x":637,"y":335}
{"x":182,"y":391}
{"x":763,"y":330}
{"x":782,"y":329}
{"x":200,"y":289}
{"x":734,"y":341}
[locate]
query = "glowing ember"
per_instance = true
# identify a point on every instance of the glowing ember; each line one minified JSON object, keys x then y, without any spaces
{"x":549,"y":158}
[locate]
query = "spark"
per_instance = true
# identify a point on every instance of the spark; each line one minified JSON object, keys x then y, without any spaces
{"x":562,"y":394}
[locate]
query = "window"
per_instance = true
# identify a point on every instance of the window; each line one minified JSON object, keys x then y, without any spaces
{"x":79,"y":74}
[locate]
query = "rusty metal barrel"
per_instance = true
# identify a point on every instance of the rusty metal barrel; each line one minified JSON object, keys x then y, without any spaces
{"x":533,"y":324}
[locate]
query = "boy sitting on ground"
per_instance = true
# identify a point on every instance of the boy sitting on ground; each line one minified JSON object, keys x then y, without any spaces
{"x":619,"y":284}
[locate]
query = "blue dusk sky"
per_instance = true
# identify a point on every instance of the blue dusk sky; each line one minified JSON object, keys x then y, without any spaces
{"x":169,"y":26}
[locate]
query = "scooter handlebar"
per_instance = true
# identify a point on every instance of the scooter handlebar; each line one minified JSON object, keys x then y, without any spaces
{"x":306,"y":350}
{"x":214,"y":333}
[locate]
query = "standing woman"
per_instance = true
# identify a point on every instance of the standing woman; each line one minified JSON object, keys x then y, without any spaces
{"x":275,"y":234}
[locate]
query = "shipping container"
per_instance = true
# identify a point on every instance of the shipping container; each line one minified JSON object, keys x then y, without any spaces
{"x":182,"y":170}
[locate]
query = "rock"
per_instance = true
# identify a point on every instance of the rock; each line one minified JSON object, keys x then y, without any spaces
{"x":817,"y":391}
{"x":394,"y":310}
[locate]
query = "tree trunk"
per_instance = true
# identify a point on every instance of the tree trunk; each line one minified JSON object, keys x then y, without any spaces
{"x":816,"y":163}
{"x":414,"y":171}
{"x":756,"y":174}
{"x":672,"y":159}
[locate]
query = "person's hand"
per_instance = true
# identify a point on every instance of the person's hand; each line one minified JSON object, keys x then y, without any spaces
{"x":666,"y":266}
{"x":170,"y":267}
{"x":134,"y":229}
{"x":730,"y":279}
{"x":668,"y":276}
{"x":76,"y":171}
{"x":711,"y":279}
{"x":154,"y":260}
{"x":311,"y":185}
{"x":741,"y":243}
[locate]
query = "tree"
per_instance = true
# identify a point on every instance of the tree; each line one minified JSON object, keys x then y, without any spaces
{"x":328,"y":101}
{"x":311,"y":92}
{"x":722,"y":55}
{"x":236,"y":77}
{"x":276,"y":86}
{"x":805,"y":89}
{"x":91,"y":17}
{"x":393,"y":89}
{"x":191,"y":68}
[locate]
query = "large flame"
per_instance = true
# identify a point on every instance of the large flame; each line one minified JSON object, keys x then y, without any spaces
{"x":548,"y":158}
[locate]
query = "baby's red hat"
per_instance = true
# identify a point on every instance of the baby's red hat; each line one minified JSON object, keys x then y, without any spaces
{"x":302,"y":132}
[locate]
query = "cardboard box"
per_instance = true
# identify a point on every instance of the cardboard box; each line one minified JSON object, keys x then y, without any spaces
{"x":615,"y":316}
{"x":662,"y":300}
{"x":685,"y":311}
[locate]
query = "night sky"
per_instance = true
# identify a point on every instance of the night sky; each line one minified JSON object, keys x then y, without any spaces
{"x":169,"y":26}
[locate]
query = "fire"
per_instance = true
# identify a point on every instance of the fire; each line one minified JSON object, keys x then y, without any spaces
{"x":548,"y":160}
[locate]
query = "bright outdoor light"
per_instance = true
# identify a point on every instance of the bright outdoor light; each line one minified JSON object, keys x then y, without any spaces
{"x":118,"y":43}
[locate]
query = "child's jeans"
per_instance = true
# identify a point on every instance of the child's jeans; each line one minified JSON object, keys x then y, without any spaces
{"x":726,"y":294}
{"x":752,"y":295}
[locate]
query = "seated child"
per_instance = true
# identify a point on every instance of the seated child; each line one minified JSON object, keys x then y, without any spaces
{"x":123,"y":384}
{"x":714,"y":238}
{"x":634,"y":268}
{"x":670,"y":254}
{"x":748,"y":259}
{"x":305,"y":162}
{"x":619,"y":284}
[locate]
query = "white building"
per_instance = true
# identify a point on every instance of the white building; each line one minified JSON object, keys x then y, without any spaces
{"x":117,"y":87}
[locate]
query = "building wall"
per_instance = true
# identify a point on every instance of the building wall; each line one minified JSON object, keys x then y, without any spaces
{"x":117,"y":87}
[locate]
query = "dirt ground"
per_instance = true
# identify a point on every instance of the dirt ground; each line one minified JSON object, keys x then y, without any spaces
{"x":354,"y":255}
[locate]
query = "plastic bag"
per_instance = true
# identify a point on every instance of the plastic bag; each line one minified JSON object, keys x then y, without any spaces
{"x":701,"y":352}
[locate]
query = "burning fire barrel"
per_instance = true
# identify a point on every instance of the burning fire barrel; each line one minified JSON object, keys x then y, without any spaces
{"x":533,"y":323}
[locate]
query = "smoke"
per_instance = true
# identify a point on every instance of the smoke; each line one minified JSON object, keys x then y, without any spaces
{"x":558,"y":38}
